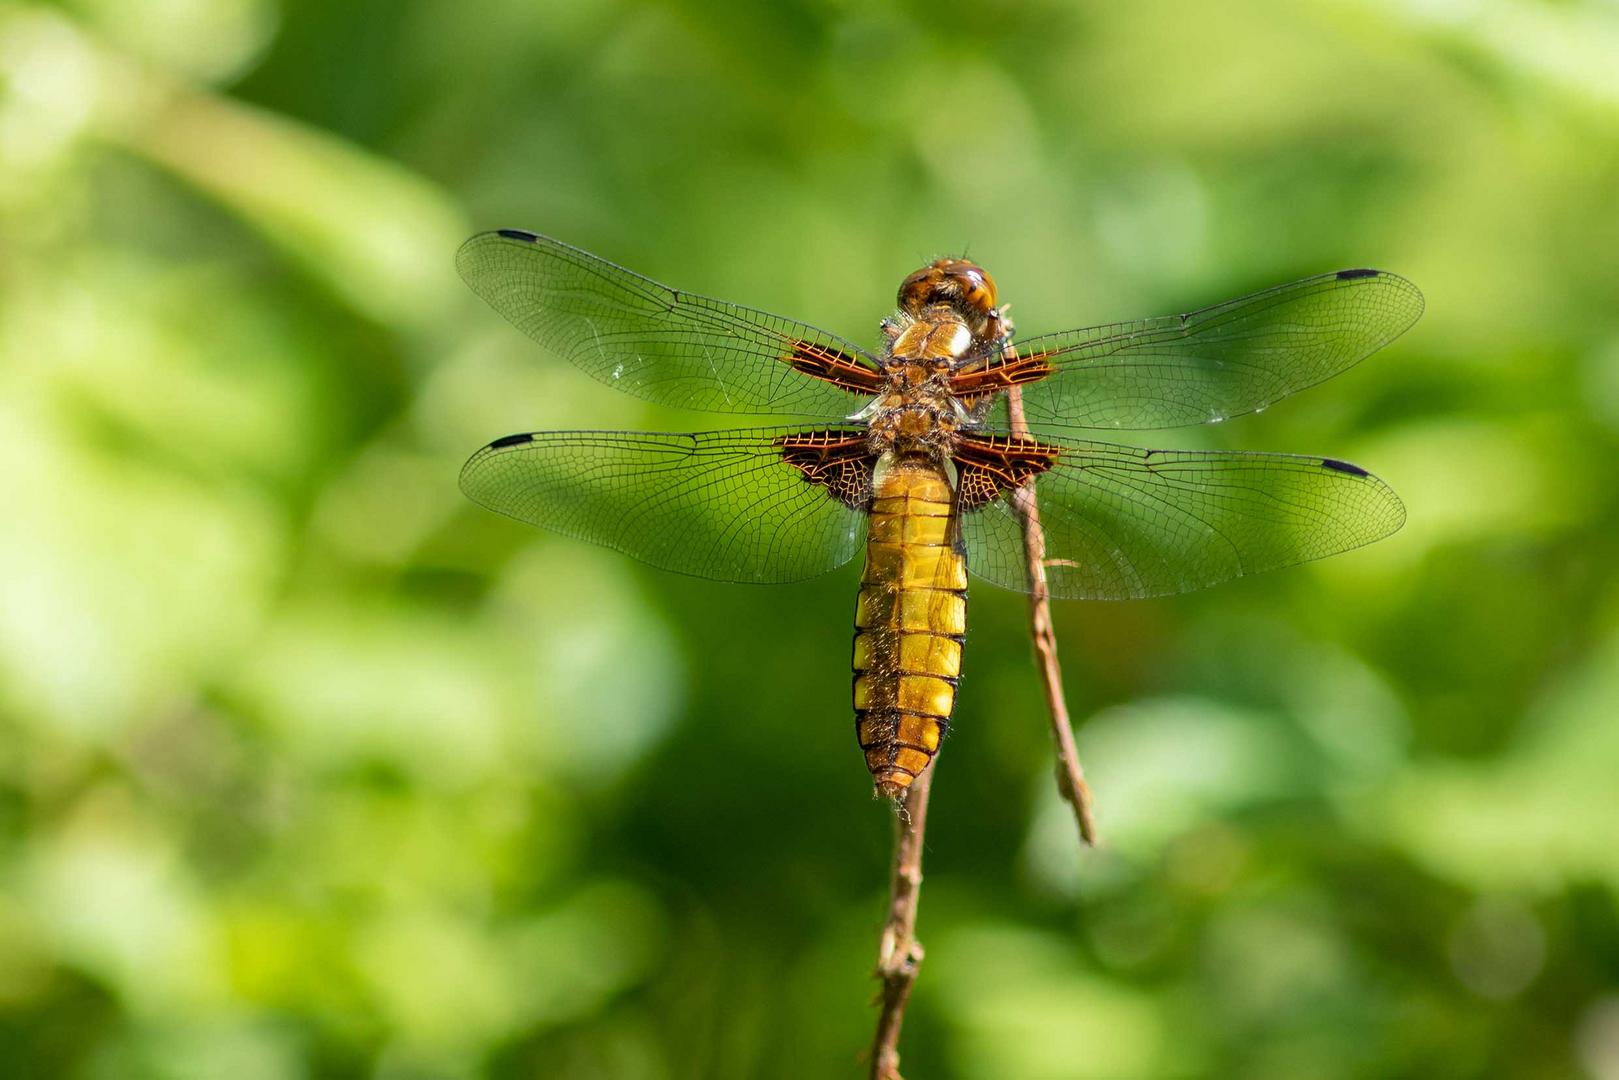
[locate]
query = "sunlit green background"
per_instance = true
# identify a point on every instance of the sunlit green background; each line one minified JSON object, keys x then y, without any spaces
{"x":311,"y":769}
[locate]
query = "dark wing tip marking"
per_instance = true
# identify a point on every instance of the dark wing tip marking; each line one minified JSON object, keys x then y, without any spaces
{"x":517,"y":234}
{"x":1344,"y":467}
{"x":1350,"y":275}
{"x":510,"y":440}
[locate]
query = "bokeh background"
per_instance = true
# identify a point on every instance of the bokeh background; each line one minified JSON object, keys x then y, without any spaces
{"x":311,"y":769}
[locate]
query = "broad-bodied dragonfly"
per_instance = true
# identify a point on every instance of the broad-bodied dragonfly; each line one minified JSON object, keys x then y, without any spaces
{"x":909,"y":452}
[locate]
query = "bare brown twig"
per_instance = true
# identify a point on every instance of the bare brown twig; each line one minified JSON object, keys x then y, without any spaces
{"x":1070,"y":776}
{"x":900,"y":955}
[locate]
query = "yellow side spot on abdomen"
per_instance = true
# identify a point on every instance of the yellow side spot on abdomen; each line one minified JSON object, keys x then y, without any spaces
{"x":930,"y":653}
{"x":925,"y":694}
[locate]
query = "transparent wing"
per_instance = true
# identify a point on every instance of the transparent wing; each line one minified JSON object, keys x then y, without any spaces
{"x":1121,"y":522}
{"x":723,"y":505}
{"x":1223,"y":361}
{"x":659,"y":343}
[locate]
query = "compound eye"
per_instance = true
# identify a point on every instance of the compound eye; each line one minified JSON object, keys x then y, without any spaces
{"x":955,"y":282}
{"x":979,"y":289}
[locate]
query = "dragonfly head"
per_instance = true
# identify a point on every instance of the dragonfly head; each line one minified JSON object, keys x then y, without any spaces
{"x":963,"y":286}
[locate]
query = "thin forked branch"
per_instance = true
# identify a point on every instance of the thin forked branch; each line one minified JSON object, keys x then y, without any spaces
{"x":1070,"y":776}
{"x":900,"y":955}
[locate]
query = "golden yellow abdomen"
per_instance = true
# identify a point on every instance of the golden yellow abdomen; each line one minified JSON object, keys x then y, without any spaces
{"x":909,"y":622}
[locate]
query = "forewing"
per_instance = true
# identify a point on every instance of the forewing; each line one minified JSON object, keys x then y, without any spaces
{"x":723,"y":505}
{"x":658,"y":343}
{"x":1223,"y":361}
{"x":1121,"y":522}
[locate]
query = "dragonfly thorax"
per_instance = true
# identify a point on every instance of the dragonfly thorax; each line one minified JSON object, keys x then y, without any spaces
{"x":916,"y":412}
{"x":935,"y":341}
{"x":914,"y":427}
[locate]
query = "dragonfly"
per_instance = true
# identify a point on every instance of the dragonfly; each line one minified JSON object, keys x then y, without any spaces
{"x":908,"y":452}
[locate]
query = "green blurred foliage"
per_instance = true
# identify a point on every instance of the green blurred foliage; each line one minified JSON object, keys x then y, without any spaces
{"x":310,"y":769}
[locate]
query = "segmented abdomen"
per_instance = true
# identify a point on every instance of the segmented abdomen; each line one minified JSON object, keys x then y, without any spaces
{"x":910,"y":621}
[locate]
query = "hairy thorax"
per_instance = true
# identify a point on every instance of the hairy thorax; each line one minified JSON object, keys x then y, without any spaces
{"x":916,"y":413}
